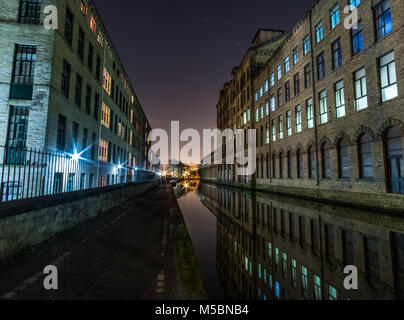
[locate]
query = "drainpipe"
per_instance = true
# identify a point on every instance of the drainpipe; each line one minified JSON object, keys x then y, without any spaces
{"x":314,"y":100}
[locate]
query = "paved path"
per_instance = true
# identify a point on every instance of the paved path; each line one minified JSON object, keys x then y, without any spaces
{"x":129,"y":252}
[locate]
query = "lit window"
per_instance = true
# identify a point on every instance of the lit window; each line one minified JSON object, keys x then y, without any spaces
{"x":358,"y":42}
{"x":93,"y":24}
{"x":267,"y":134}
{"x":280,"y":123}
{"x":298,"y":119}
{"x":323,"y":107}
{"x":336,"y":54}
{"x":266,"y":85}
{"x":319,"y":32}
{"x":83,"y":8}
{"x":309,"y":113}
{"x":289,"y":122}
{"x":267,"y":108}
{"x":340,"y":99}
{"x":279,"y":72}
{"x":388,"y":77}
{"x":257,"y":114}
{"x":100,"y":39}
{"x":317,"y":287}
{"x":361,"y":100}
{"x":383,"y":19}
{"x":284,"y":265}
{"x":261,"y":90}
{"x":272,"y":79}
{"x":332,"y":293}
{"x":295,"y":56}
{"x":354,"y":3}
{"x":105,"y":115}
{"x":107,"y":81}
{"x":103,"y":151}
{"x":273,"y":130}
{"x":287,"y":65}
{"x":273,"y":103}
{"x":294,"y":273}
{"x":306,"y":45}
{"x":305,"y":286}
{"x":334,"y":17}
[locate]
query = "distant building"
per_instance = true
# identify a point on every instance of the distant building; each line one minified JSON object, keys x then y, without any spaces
{"x":66,"y":90}
{"x":327,"y":106}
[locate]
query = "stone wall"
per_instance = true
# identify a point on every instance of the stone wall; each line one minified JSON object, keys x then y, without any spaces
{"x":27,"y":223}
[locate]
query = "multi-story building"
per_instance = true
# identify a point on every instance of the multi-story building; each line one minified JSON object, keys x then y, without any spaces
{"x":283,"y":248}
{"x":331,"y":124}
{"x":66,"y":90}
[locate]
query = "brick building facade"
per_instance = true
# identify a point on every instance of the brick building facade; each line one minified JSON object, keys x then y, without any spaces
{"x":330,"y":124}
{"x":66,"y":90}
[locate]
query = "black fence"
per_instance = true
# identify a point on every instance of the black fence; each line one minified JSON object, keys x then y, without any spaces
{"x":31,"y":173}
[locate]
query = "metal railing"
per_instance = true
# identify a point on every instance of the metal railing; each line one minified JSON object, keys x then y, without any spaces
{"x":32,"y":173}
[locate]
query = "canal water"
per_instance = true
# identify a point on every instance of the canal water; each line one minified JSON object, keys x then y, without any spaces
{"x":257,"y":246}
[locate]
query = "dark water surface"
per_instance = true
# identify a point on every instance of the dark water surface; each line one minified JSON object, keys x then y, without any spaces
{"x":262,"y":246}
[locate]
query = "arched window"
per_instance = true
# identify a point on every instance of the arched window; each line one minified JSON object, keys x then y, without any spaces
{"x":343,"y":159}
{"x":325,"y":158}
{"x":395,"y":161}
{"x":281,"y":165}
{"x":299,"y":163}
{"x":312,"y":162}
{"x":365,"y":157}
{"x":273,"y":166}
{"x":289,"y":164}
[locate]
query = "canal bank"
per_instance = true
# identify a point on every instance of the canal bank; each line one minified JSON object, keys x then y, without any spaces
{"x":139,"y":250}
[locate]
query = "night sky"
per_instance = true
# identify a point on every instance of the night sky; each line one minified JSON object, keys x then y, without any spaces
{"x":179,"y":53}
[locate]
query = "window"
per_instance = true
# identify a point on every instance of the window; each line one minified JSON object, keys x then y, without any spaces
{"x":262,"y":111}
{"x":296,"y":80}
{"x":279,"y":72}
{"x":80,"y":45}
{"x":277,"y":257}
{"x":75,"y":136}
{"x":98,"y":68}
{"x":90,"y":56}
{"x":365,"y":157}
{"x":332,"y":293}
{"x":334,"y":14}
{"x":266,"y":85}
{"x":107,"y":81}
{"x":66,"y":79}
{"x":257,"y":114}
{"x":24,"y":64}
{"x":267,"y":108}
{"x":83,"y":8}
{"x":295,"y":56}
{"x":388,"y":77}
{"x":325,"y":155}
{"x":298,"y":113}
{"x":358,"y":41}
{"x":61,"y":135}
{"x":307,"y":76}
{"x":320,"y":66}
{"x":336,"y":54}
{"x":354,"y":3}
{"x":273,"y":130}
{"x":279,"y":97}
{"x":93,"y":25}
{"x":287,"y":91}
{"x":30,"y":11}
{"x":343,"y":159}
{"x":88,"y":99}
{"x":69,"y":26}
{"x":289,"y":122}
{"x":323,"y":107}
{"x":273,"y":103}
{"x":309,"y":113}
{"x":312,"y":162}
{"x":287,"y":64}
{"x":96,"y":105}
{"x":272,"y":79}
{"x":294,"y":273}
{"x":280,"y":124}
{"x":78,"y":93}
{"x":305,"y":284}
{"x":317,"y":287}
{"x":105,"y":116}
{"x":268,"y":138}
{"x":285,"y":265}
{"x":299,"y":163}
{"x":17,"y":135}
{"x":103,"y":150}
{"x":319,"y":32}
{"x":100,"y":39}
{"x":306,"y":45}
{"x":340,"y":99}
{"x":361,"y":100}
{"x":256,"y":95}
{"x":383,"y":19}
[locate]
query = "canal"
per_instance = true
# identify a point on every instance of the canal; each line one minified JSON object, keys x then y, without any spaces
{"x":260,"y":246}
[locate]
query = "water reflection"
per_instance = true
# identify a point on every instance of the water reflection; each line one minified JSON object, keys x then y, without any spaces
{"x":271,"y":247}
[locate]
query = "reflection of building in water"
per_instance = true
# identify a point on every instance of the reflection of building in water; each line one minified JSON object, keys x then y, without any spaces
{"x":282,"y":248}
